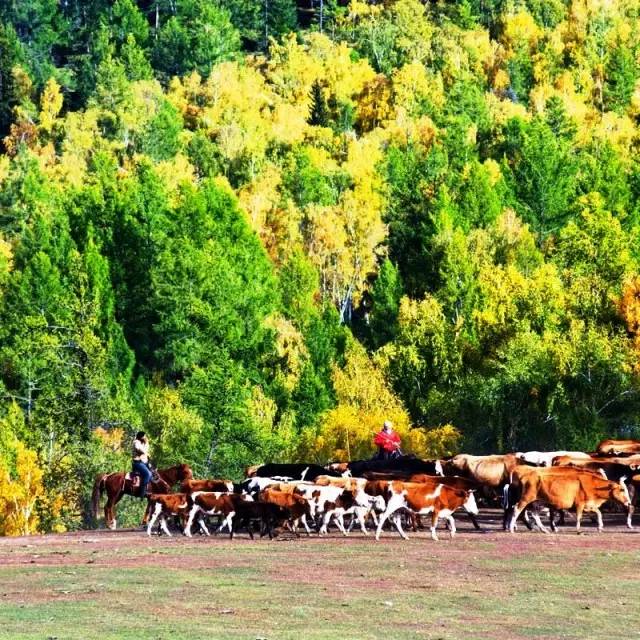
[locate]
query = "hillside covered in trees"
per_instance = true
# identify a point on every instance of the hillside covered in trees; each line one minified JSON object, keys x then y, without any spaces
{"x":257,"y":229}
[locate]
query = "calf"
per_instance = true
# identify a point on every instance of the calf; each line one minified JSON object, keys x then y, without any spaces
{"x":162,"y":505}
{"x":422,"y":498}
{"x":212,"y":503}
{"x":267,"y":513}
{"x":296,"y":506}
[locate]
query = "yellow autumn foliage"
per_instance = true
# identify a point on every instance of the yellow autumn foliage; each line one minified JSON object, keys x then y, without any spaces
{"x":365,"y":401}
{"x":20,"y":493}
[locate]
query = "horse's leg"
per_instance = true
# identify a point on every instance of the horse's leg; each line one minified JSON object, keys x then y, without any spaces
{"x":147,"y":513}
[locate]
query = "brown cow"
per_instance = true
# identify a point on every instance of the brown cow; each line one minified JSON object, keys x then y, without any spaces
{"x":189,"y":486}
{"x":618,"y":447}
{"x":421,"y":498}
{"x":297,"y":506}
{"x":456,"y":482}
{"x":564,"y":488}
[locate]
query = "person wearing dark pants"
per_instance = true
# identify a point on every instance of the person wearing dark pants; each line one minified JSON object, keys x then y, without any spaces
{"x":141,"y":461}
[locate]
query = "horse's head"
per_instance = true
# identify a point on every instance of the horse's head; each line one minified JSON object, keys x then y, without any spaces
{"x":184,"y":472}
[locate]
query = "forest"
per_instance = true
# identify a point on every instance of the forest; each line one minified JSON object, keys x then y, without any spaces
{"x":256,"y":230}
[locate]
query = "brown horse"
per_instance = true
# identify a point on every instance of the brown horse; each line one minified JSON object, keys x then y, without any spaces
{"x":116,"y":485}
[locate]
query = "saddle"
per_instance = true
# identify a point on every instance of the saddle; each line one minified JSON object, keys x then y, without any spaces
{"x":135,"y":479}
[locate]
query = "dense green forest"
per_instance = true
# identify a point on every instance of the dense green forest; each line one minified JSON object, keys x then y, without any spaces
{"x":257,"y":229}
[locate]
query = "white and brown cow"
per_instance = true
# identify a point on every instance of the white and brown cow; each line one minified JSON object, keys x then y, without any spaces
{"x":423,"y":498}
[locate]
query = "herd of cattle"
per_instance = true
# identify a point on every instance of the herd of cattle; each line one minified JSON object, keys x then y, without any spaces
{"x":403,"y":489}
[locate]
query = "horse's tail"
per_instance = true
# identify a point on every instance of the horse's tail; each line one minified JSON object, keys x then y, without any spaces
{"x":98,"y":488}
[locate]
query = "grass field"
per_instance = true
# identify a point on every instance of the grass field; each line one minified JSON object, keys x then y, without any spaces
{"x":492,"y":585}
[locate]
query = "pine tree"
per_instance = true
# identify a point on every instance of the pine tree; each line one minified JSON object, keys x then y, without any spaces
{"x":319,"y":112}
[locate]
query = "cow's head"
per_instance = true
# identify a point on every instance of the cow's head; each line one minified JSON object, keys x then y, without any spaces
{"x":470,"y":504}
{"x":620,"y":492}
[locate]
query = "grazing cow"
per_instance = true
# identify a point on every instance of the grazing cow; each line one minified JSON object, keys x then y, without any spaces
{"x":422,"y":498}
{"x":212,"y":503}
{"x":189,"y":486}
{"x":168,"y":504}
{"x":545,"y":458}
{"x":563,"y":488}
{"x":304,"y":471}
{"x":618,"y":447}
{"x":296,"y":506}
{"x":402,"y":464}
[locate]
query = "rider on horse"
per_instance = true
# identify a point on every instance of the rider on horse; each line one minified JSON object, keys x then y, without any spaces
{"x":387,"y":441}
{"x":141,"y":461}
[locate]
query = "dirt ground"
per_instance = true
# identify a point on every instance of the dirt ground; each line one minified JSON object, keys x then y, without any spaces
{"x":122,"y":584}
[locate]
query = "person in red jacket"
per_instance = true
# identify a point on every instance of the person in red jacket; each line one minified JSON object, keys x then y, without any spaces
{"x":387,"y":441}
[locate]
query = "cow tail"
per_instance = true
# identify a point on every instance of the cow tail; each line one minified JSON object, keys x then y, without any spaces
{"x":98,"y":488}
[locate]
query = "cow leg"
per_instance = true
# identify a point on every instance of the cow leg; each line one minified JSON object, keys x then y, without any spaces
{"x":600,"y":523}
{"x":452,"y":525}
{"x":434,"y":524}
{"x":192,"y":513}
{"x":397,"y":520}
{"x":154,"y":517}
{"x":474,"y":521}
{"x":326,"y":518}
{"x":392,"y":507}
{"x":163,"y":524}
{"x":360,"y":515}
{"x":228,"y":521}
{"x":203,"y":526}
{"x":536,"y":518}
{"x":339,"y":520}
{"x":303,"y":519}
{"x":517,"y":510}
{"x":579,"y":511}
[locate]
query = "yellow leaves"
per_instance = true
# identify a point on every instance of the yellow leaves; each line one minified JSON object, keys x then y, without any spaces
{"x":291,"y":351}
{"x":493,"y":171}
{"x":235,"y":98}
{"x":374,"y":103}
{"x":289,"y":123}
{"x":437,"y":442}
{"x":175,"y":428}
{"x":628,"y":305}
{"x":412,"y":85}
{"x":365,"y":401}
{"x":174,"y":173}
{"x":110,"y":439}
{"x":50,"y":105}
{"x":261,"y":196}
{"x":520,"y":29}
{"x":617,"y":130}
{"x":20,"y":493}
